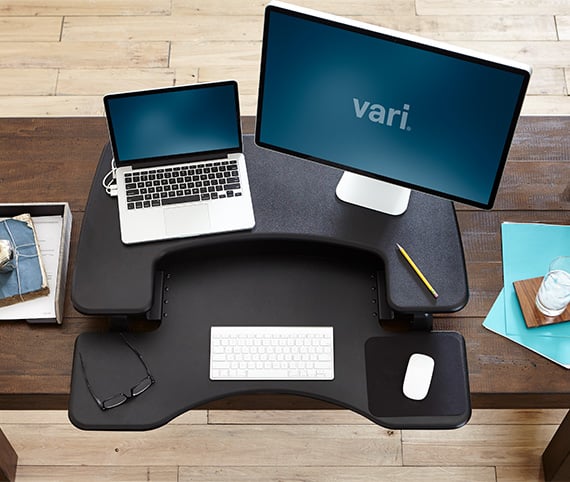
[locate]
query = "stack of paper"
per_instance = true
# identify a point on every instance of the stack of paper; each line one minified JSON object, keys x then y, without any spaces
{"x":528,"y":250}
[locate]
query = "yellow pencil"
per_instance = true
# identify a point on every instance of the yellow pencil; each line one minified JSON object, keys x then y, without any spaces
{"x":417,"y":270}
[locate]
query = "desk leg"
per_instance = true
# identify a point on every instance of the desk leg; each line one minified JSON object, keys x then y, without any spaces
{"x":8,"y":459}
{"x":556,"y":457}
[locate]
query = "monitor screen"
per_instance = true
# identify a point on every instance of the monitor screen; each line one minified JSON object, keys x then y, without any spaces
{"x":174,"y":121}
{"x":389,"y":106}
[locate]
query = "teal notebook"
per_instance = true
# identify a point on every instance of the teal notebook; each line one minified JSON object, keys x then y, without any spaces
{"x":28,"y":279}
{"x":528,"y":249}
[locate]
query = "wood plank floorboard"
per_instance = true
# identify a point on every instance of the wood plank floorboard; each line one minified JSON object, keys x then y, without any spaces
{"x":58,"y":57}
{"x":319,"y":445}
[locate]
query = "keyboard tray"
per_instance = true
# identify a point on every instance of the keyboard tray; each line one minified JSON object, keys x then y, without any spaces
{"x":271,"y":282}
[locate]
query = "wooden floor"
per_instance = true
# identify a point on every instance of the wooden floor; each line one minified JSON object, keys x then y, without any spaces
{"x":324,"y":446}
{"x":57,"y":58}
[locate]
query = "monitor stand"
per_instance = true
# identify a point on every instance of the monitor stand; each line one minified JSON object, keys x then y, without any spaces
{"x":373,"y":194}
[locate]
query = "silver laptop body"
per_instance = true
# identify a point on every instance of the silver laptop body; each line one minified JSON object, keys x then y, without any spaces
{"x":180,"y":167}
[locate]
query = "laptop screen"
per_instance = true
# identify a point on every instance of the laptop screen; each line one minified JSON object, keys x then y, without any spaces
{"x":161,"y":124}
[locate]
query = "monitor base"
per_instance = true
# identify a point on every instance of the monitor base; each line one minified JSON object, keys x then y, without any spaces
{"x":373,"y":194}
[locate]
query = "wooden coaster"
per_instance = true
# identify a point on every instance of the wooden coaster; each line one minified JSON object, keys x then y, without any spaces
{"x":526,"y":292}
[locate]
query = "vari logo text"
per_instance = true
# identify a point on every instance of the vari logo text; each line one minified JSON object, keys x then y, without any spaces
{"x":381,"y":115}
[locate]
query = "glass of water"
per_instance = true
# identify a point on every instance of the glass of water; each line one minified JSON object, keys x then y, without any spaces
{"x":554,"y":293}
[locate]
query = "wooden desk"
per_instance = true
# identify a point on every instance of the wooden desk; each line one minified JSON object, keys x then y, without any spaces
{"x":51,"y":159}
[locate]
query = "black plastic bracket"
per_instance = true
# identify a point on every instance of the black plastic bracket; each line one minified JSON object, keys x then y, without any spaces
{"x":421,"y":322}
{"x":119,"y":323}
{"x":414,"y":321}
{"x":155,"y":312}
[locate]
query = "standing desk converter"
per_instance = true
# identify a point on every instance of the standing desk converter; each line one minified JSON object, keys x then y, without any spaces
{"x":310,"y":260}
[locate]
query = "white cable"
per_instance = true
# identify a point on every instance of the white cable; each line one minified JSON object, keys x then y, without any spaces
{"x":108,"y":181}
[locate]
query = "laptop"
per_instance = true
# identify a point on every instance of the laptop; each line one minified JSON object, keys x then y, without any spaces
{"x":180,"y":169}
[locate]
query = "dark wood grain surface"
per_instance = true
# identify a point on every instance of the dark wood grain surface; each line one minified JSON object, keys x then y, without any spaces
{"x":53,"y":159}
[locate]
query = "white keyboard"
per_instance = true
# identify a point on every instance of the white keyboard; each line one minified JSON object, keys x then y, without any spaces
{"x":271,"y":353}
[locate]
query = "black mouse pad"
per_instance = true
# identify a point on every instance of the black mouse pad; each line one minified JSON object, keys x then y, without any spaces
{"x":448,"y":399}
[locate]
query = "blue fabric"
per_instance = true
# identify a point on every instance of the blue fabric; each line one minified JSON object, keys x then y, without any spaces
{"x":26,"y":260}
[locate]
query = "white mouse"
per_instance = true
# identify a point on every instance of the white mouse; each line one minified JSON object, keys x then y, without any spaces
{"x":418,"y":376}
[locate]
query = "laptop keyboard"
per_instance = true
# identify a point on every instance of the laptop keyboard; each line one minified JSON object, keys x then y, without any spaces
{"x":202,"y":181}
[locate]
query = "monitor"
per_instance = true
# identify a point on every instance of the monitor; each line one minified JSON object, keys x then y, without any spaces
{"x":394,"y":111}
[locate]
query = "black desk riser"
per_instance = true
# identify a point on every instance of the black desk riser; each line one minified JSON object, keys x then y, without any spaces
{"x":310,"y":260}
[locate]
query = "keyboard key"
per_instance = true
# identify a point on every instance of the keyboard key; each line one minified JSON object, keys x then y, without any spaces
{"x":183,"y":199}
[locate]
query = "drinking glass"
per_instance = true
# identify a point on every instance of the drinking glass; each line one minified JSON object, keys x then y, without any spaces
{"x":554,"y":293}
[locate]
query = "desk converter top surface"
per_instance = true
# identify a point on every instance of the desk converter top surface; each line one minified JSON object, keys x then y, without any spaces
{"x":293,"y":200}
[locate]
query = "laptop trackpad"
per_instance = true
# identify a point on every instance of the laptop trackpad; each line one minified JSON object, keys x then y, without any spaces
{"x":181,"y":220}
